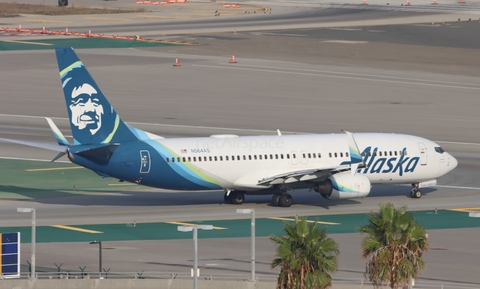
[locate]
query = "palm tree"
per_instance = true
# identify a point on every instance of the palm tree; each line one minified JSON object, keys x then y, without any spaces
{"x":395,"y":244}
{"x":306,"y":256}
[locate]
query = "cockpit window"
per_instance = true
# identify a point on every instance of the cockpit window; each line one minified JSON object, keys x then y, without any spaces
{"x":439,"y":150}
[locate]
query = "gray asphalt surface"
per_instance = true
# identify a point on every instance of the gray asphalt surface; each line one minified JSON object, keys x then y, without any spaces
{"x":298,"y":81}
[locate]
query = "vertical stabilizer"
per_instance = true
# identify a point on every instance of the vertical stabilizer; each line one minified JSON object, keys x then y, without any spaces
{"x":92,"y":119}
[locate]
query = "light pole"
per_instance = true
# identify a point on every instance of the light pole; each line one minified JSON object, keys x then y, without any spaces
{"x":251,"y":211}
{"x":195,"y":247}
{"x":99,"y":256}
{"x":31,"y":210}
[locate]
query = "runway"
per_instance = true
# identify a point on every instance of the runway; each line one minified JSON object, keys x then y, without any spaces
{"x":299,"y":81}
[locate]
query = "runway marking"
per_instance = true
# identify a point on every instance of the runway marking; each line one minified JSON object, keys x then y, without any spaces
{"x":108,"y":19}
{"x":308,"y":221}
{"x":345,"y":41}
{"x":344,"y":75}
{"x":193,"y":225}
{"x":53,"y":169}
{"x":76,"y":229}
{"x":279,"y":34}
{"x":467,"y":210}
{"x":48,"y":21}
{"x":25,"y":42}
{"x":458,"y":187}
{"x":117,"y":185}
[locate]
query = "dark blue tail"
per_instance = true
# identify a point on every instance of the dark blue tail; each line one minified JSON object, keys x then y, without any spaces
{"x":92,"y":119}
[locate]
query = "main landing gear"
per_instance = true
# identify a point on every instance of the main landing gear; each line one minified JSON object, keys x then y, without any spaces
{"x":415,"y":193}
{"x":234,"y":197}
{"x":282,"y":200}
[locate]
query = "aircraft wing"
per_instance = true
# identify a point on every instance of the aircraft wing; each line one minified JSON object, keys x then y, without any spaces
{"x":320,"y":174}
{"x":297,"y":176}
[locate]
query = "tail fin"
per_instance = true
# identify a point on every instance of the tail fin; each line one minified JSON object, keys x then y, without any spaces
{"x":92,"y":119}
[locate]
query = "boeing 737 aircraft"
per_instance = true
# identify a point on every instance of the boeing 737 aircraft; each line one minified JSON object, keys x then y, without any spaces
{"x":338,"y":166}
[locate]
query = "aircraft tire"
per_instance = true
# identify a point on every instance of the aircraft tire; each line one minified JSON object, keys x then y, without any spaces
{"x":417,"y":194}
{"x":237,"y":198}
{"x":276,"y":199}
{"x":285,"y":200}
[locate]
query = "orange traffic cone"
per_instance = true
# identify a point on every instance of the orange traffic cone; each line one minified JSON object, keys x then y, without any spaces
{"x":434,"y":2}
{"x":364,"y":2}
{"x":176,"y":62}
{"x":408,"y":3}
{"x":461,"y":2}
{"x":232,"y":60}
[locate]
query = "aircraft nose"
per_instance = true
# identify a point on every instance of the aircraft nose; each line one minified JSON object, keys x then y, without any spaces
{"x":451,"y":163}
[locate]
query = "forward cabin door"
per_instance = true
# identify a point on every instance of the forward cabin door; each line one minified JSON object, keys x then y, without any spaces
{"x":423,"y":153}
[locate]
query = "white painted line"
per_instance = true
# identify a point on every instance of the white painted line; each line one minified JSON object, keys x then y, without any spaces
{"x":27,"y":159}
{"x":413,"y":82}
{"x":345,"y":41}
{"x":474,"y":215}
{"x":458,"y":187}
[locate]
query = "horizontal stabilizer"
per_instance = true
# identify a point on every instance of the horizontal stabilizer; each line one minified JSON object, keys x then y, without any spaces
{"x":46,"y":146}
{"x":105,"y":151}
{"x":61,"y":140}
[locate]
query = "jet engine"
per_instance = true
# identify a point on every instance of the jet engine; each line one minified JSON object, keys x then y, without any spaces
{"x":344,"y":186}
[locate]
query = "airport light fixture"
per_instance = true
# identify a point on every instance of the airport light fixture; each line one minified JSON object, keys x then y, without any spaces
{"x":31,"y":210}
{"x":195,"y":247}
{"x":251,"y":211}
{"x":99,"y":256}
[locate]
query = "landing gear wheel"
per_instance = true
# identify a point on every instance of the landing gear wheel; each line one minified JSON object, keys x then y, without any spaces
{"x":276,"y":199}
{"x":226,"y":198}
{"x":237,"y":198}
{"x":285,"y":201}
{"x":417,"y":194}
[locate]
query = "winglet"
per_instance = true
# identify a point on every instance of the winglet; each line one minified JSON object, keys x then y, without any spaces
{"x":279,"y":132}
{"x":61,"y":140}
{"x":356,"y":160}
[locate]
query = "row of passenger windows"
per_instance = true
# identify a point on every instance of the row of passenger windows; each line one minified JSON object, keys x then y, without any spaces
{"x":385,"y":153}
{"x":275,"y":156}
{"x":253,"y":157}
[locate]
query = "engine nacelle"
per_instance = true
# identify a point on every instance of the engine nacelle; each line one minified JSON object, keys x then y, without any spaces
{"x":344,"y":186}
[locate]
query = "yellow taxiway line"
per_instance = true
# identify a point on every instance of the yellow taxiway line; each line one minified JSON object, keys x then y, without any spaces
{"x":193,"y":225}
{"x":53,"y":169}
{"x":308,"y":221}
{"x":76,"y":229}
{"x":25,"y":42}
{"x":467,"y":210}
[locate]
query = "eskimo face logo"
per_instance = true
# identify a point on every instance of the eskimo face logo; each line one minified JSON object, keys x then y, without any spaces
{"x":86,"y":108}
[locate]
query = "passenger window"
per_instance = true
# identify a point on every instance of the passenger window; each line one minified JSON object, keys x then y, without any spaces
{"x":255,"y":157}
{"x":238,"y":158}
{"x":221,"y":158}
{"x":168,"y":160}
{"x":341,"y":155}
{"x":271,"y":157}
{"x":330,"y":154}
{"x":309,"y":156}
{"x":304,"y":156}
{"x":281,"y":156}
{"x":259,"y":157}
{"x":346,"y":154}
{"x":380,"y":153}
{"x":244,"y":157}
{"x":395,"y":153}
{"x":178,"y":159}
{"x":294,"y":156}
{"x":276,"y":156}
{"x":335,"y":154}
{"x":189,"y":159}
{"x":319,"y":155}
{"x":226,"y":158}
{"x":288,"y":156}
{"x":205,"y":159}
{"x":210,"y":158}
{"x":173,"y":160}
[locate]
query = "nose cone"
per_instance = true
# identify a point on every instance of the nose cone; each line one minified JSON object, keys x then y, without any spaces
{"x":451,"y":163}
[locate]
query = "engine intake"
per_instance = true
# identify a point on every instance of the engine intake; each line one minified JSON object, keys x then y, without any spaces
{"x":344,"y":186}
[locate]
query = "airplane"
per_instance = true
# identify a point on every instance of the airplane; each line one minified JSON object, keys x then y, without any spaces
{"x":337,"y":166}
